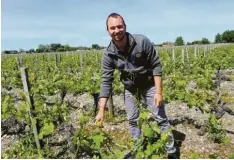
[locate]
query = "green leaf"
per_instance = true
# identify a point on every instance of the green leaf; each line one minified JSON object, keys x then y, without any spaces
{"x":140,"y":155}
{"x":148,"y":132}
{"x":148,"y":151}
{"x":84,"y":119}
{"x":47,"y":129}
{"x":98,"y":140}
{"x":155,"y":157}
{"x":231,"y":156}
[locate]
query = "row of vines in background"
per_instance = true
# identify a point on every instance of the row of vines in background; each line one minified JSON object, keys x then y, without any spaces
{"x":78,"y":63}
{"x":80,"y":72}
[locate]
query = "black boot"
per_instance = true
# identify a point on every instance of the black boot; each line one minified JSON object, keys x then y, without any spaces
{"x":129,"y":156}
{"x":172,"y":156}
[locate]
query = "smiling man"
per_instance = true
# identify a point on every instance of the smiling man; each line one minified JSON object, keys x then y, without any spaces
{"x":141,"y":71}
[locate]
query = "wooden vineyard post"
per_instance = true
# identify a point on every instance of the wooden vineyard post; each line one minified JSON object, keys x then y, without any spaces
{"x":85,"y":54}
{"x":204,"y":51}
{"x":35,"y":62}
{"x":182,"y":55}
{"x":198,"y":51}
{"x":60,"y":57}
{"x":187,"y":55}
{"x":173,"y":58}
{"x":56,"y":60}
{"x":19,"y":64}
{"x":96,"y":57}
{"x":27,"y":87}
{"x":36,"y":57}
{"x":173,"y":54}
{"x":195,"y":52}
{"x":43,"y":57}
{"x":81,"y":61}
{"x":110,"y":105}
{"x":72,"y":55}
{"x":209,"y":49}
{"x":21,"y":60}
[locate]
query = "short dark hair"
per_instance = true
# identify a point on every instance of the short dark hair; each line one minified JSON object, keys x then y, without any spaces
{"x":115,"y":15}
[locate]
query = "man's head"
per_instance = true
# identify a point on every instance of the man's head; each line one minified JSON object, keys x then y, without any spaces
{"x":116,"y":27}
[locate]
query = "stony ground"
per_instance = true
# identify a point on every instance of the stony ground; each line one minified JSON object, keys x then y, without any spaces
{"x":187,"y":123}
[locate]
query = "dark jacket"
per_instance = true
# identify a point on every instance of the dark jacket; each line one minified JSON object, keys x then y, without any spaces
{"x":138,"y":67}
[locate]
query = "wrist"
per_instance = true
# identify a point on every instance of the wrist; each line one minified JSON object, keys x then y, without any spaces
{"x":158,"y":93}
{"x":101,"y":108}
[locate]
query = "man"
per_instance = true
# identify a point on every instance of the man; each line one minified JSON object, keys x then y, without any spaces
{"x":141,"y":71}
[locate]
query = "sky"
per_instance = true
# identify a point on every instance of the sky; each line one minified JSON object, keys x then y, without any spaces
{"x":28,"y":23}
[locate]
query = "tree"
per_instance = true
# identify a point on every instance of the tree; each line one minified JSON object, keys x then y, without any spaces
{"x":67,"y":47}
{"x":197,"y":42}
{"x":205,"y":41}
{"x":95,"y":46}
{"x":55,"y":46}
{"x":228,"y":36}
{"x":41,"y":48}
{"x":168,"y":43}
{"x":47,"y":48}
{"x":61,"y":49}
{"x":31,"y":50}
{"x":21,"y":50}
{"x":179,"y":41}
{"x":5,"y":52}
{"x":218,"y":38}
{"x":10,"y":52}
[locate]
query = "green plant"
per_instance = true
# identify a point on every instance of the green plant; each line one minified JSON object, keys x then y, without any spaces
{"x":215,"y":130}
{"x":152,"y":143}
{"x":26,"y":149}
{"x":93,"y":142}
{"x":231,"y":156}
{"x":194,"y":156}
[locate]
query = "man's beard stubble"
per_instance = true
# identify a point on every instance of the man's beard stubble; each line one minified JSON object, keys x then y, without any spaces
{"x":120,"y":39}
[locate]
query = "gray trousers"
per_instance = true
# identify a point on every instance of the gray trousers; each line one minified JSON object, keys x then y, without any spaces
{"x":131,"y":97}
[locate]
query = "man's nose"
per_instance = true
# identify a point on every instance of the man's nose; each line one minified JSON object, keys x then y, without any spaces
{"x":117,"y":30}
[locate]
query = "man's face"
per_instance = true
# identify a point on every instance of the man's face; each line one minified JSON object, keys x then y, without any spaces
{"x":116,"y":28}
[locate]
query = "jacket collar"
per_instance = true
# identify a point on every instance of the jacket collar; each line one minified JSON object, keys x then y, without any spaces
{"x":112,"y":49}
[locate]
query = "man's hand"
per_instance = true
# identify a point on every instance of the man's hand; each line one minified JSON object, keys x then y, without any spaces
{"x":100,"y":117}
{"x":158,"y":91}
{"x":158,"y":99}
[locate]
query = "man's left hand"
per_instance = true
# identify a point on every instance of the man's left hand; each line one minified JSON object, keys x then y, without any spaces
{"x":158,"y":99}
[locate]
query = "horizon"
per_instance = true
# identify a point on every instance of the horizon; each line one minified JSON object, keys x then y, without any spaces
{"x":27,"y":24}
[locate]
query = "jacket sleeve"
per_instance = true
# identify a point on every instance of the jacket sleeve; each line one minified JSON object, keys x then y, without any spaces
{"x":107,"y":76}
{"x":152,"y":57}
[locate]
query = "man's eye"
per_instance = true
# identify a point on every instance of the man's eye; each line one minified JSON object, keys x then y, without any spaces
{"x":120,"y":27}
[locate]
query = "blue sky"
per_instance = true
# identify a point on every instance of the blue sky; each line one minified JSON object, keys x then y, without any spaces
{"x":28,"y":23}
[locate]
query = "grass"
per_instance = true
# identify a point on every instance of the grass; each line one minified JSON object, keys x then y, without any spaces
{"x":228,"y":98}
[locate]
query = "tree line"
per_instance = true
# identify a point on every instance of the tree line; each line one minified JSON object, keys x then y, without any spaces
{"x":53,"y":47}
{"x":225,"y":37}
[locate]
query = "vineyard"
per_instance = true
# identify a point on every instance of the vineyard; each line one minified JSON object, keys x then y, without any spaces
{"x":49,"y":103}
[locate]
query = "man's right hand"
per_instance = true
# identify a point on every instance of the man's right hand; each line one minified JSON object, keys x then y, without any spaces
{"x":100,"y":117}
